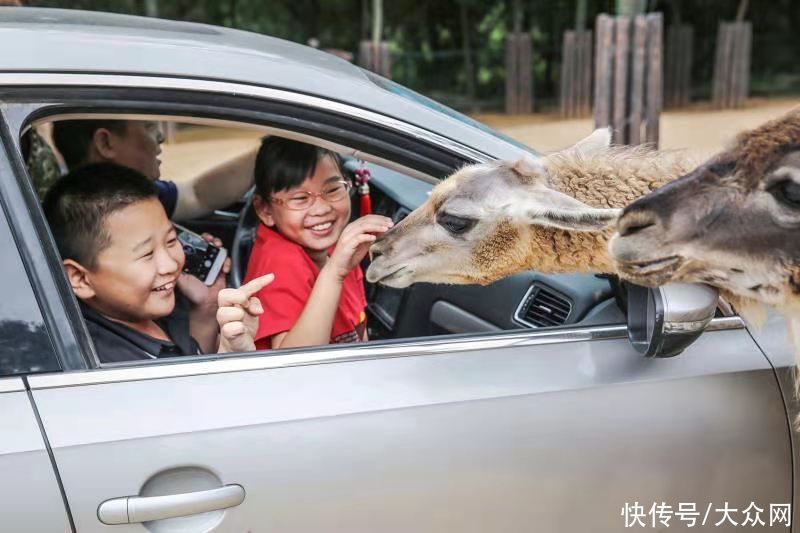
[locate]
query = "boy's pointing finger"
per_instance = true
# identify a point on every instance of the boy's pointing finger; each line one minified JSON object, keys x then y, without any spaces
{"x":252,"y":287}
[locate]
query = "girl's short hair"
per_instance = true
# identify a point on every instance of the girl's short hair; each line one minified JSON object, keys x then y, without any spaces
{"x":283,"y":164}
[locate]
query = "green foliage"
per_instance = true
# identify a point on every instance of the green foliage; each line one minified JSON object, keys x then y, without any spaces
{"x":427,"y":36}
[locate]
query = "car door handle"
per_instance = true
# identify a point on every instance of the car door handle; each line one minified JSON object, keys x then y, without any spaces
{"x":135,"y":509}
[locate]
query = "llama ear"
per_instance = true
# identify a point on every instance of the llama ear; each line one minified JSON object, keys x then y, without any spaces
{"x":527,"y":166}
{"x":554,"y":209}
{"x":599,"y":140}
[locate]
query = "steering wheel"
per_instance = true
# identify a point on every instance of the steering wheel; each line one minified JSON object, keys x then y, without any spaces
{"x":243,"y":240}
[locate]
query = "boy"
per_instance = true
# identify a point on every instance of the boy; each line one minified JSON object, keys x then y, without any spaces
{"x":137,"y":144}
{"x":122,"y":258}
{"x":303,"y":204}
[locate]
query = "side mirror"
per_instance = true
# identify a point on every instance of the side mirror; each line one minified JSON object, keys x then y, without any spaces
{"x":663,"y":322}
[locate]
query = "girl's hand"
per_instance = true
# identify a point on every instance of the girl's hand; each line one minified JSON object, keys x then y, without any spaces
{"x":354,"y":243}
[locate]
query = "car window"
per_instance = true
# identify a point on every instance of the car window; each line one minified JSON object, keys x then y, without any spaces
{"x":525,"y":301}
{"x":25,"y":345}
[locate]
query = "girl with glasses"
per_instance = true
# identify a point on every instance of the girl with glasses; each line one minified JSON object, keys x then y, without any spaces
{"x":302,"y":200}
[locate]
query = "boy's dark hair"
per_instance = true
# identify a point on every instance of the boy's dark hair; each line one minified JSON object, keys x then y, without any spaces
{"x":283,"y":164}
{"x":78,"y":204}
{"x":73,"y":137}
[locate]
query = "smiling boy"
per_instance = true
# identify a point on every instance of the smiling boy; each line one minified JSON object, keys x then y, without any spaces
{"x":123,"y":260}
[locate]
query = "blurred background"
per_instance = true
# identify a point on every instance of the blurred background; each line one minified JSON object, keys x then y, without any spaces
{"x":546,"y":72}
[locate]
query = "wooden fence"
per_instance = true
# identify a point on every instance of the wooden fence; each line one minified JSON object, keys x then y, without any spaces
{"x":731,"y":83}
{"x":628,"y":76}
{"x":576,"y":74}
{"x":519,"y":87}
{"x":678,"y":65}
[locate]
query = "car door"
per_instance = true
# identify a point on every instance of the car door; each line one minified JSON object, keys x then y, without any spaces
{"x":560,"y":430}
{"x":30,"y":497}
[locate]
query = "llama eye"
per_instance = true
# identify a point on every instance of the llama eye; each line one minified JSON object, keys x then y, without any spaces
{"x":787,"y":192}
{"x":722,"y":169}
{"x":455,"y":225}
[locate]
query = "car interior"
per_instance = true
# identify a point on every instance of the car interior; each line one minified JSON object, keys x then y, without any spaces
{"x":525,"y":301}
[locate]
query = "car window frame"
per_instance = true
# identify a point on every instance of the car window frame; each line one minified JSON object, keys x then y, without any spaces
{"x":20,"y":206}
{"x":409,"y":148}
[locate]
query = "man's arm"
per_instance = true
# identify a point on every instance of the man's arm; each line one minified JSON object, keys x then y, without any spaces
{"x":215,"y":188}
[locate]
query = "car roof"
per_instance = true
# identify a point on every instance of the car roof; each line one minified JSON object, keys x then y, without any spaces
{"x":59,"y":40}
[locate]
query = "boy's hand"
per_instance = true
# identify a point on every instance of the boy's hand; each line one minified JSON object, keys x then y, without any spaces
{"x":354,"y":243}
{"x":238,"y":315}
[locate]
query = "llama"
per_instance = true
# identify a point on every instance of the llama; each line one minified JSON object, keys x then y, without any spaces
{"x":551,"y":214}
{"x":732,"y":222}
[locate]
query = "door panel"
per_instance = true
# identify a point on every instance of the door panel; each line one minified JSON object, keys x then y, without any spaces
{"x":30,"y":499}
{"x":556,"y":435}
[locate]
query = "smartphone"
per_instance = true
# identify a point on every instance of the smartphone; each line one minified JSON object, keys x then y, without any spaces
{"x":203,"y":259}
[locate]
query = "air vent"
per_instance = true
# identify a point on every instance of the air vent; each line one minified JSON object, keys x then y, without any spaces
{"x":543,"y":308}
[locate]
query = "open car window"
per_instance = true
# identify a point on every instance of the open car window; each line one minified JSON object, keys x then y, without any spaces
{"x":525,"y":302}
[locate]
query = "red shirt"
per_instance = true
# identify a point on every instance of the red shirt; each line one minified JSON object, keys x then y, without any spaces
{"x":295,"y":274}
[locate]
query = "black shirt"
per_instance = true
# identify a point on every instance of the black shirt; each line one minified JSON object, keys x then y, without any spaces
{"x":116,"y":342}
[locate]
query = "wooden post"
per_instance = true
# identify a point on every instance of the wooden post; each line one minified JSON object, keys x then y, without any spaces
{"x":567,"y":59}
{"x":678,"y":65}
{"x":621,"y":54}
{"x":519,"y":89}
{"x":685,"y":66}
{"x":637,"y":79}
{"x":747,"y":52}
{"x":604,"y":35}
{"x":512,"y":76}
{"x":576,"y":74}
{"x":721,"y":84}
{"x":731,"y":83}
{"x":628,"y":77}
{"x":655,"y":76}
{"x":380,"y":63}
{"x":524,"y":73}
{"x":585,"y":72}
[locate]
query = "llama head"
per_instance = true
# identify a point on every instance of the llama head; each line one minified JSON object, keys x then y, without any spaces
{"x":732,"y":222}
{"x":490,"y":220}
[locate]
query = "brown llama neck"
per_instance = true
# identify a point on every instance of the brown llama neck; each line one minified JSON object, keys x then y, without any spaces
{"x":557,"y":251}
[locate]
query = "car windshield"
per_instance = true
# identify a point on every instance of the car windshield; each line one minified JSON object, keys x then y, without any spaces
{"x":408,"y":94}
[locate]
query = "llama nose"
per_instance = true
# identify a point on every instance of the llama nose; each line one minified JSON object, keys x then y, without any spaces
{"x":632,"y":222}
{"x":376,"y":250}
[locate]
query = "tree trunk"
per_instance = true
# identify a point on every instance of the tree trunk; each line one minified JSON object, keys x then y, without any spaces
{"x":233,"y":13}
{"x":580,"y":15}
{"x":630,"y":8}
{"x":151,"y":8}
{"x":741,"y":11}
{"x":365,"y":20}
{"x":377,"y":32}
{"x":518,"y":15}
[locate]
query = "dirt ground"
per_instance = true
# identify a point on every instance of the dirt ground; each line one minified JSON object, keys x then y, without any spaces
{"x":700,"y":130}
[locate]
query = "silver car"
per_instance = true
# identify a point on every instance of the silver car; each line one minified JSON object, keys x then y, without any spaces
{"x":540,"y":403}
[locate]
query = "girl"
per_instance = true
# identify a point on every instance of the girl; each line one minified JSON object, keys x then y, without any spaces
{"x":303,"y":202}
